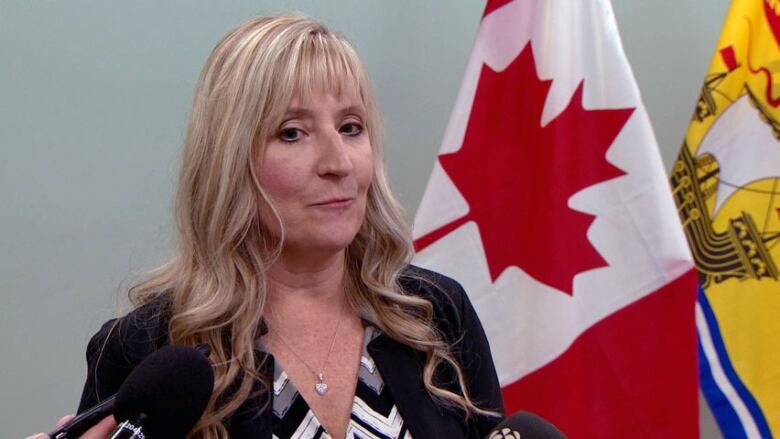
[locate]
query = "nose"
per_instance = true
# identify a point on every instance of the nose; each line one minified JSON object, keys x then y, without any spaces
{"x":334,"y":156}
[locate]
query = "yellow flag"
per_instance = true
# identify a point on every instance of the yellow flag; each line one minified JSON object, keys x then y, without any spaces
{"x":727,"y":188}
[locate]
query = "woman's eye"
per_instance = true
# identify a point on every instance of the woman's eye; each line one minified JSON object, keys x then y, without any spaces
{"x":290,"y":134}
{"x":351,"y":129}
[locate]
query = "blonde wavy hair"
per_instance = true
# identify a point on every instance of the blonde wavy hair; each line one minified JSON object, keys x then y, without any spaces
{"x":216,"y":281}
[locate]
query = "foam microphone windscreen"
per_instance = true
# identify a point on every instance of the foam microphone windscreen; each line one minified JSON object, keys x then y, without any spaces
{"x":171,"y":387}
{"x":525,"y":425}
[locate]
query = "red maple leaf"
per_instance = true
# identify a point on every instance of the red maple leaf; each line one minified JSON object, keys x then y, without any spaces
{"x":492,"y":5}
{"x":518,"y":176}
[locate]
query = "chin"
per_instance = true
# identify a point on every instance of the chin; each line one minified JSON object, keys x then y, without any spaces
{"x":325,"y":243}
{"x":337,"y":244}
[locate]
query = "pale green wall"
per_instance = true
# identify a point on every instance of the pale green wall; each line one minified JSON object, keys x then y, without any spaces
{"x":93,"y":99}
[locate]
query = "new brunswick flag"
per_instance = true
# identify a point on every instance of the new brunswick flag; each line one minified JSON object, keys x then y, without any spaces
{"x":550,"y":204}
{"x":727,"y":188}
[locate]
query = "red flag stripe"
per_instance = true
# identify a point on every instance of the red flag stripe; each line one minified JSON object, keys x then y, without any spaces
{"x":611,"y":382}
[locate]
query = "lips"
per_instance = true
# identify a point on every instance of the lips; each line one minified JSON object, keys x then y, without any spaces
{"x":334,"y":202}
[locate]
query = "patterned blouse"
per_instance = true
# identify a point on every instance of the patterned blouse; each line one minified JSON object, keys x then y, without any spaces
{"x":374,"y":414}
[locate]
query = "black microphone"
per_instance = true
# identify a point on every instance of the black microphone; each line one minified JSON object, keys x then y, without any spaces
{"x":164,"y":396}
{"x":87,"y":419}
{"x":84,"y":420}
{"x":525,"y":425}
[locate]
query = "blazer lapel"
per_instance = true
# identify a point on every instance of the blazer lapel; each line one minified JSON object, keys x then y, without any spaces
{"x":254,"y":419}
{"x":401,"y":369}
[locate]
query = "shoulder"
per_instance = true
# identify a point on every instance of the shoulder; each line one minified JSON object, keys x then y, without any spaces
{"x":450,"y":301}
{"x":119,"y":345}
{"x":426,"y":282}
{"x":130,"y":338}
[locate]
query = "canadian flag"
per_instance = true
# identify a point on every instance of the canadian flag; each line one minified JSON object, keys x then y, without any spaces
{"x":550,"y":204}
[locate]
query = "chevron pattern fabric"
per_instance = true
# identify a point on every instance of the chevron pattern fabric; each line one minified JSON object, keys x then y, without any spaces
{"x":374,"y":414}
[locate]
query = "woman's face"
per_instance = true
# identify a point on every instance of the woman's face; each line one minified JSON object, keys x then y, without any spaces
{"x":316,"y":168}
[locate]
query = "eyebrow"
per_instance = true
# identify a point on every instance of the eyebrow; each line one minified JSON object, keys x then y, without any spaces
{"x":354,"y":109}
{"x":297,"y":112}
{"x":293,"y":112}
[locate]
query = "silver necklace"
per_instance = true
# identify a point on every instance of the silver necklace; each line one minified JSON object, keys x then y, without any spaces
{"x":321,"y":387}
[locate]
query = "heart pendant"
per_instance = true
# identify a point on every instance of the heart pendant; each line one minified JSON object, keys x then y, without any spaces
{"x":321,"y":388}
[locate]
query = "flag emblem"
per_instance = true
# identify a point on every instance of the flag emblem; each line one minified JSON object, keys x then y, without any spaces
{"x":726,"y":184}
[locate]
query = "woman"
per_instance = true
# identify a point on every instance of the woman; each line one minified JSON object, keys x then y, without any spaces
{"x":292,"y":261}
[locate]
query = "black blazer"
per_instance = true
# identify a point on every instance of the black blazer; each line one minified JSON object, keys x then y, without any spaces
{"x":122,"y":343}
